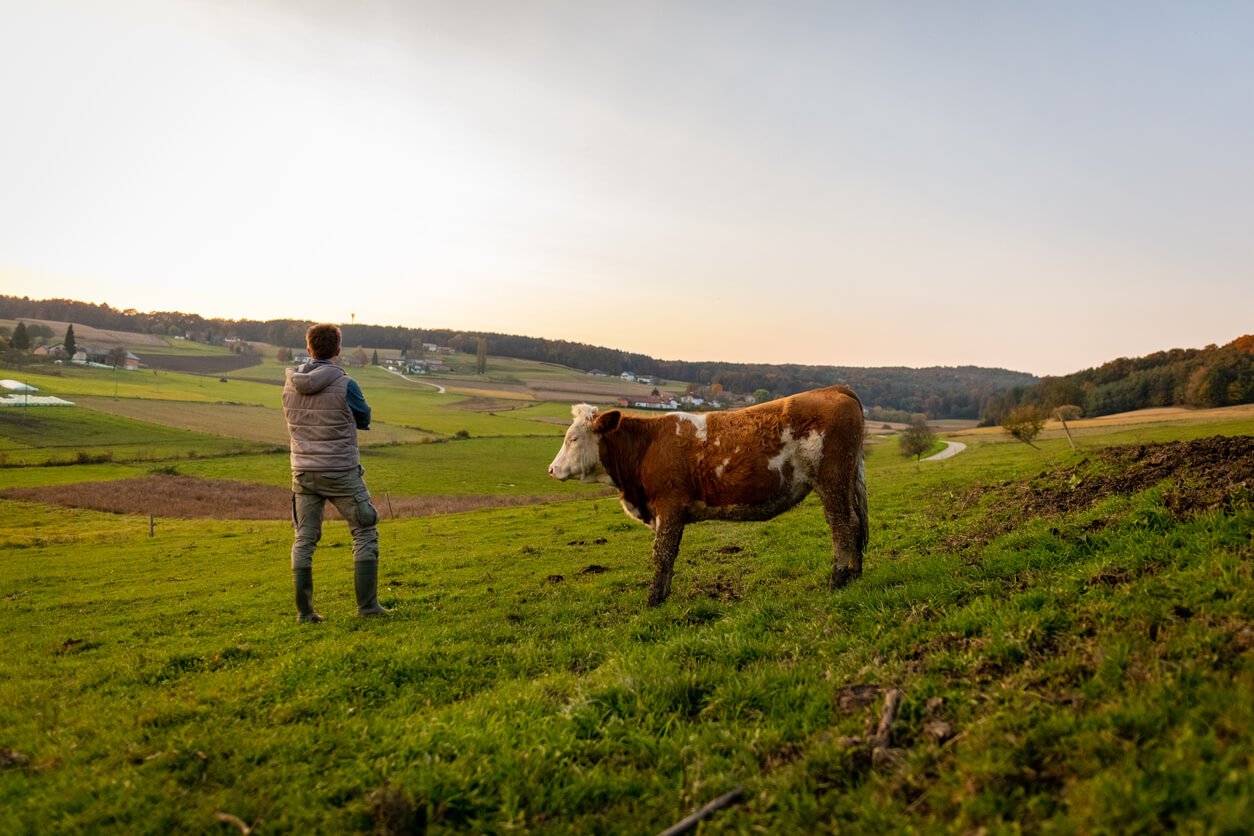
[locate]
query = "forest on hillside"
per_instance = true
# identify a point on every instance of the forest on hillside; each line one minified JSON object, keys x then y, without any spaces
{"x":1207,"y":377}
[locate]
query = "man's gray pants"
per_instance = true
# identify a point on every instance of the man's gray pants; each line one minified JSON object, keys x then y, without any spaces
{"x":347,"y":492}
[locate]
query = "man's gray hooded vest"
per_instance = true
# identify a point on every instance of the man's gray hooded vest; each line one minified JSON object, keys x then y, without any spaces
{"x":324,"y":434}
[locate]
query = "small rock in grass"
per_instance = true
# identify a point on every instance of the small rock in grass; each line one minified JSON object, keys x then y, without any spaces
{"x":939,"y":730}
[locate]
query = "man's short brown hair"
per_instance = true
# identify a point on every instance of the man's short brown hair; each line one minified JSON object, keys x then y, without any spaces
{"x":323,"y":341}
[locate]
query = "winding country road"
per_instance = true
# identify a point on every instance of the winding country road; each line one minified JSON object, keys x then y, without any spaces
{"x":952,"y":448}
{"x":437,"y":386}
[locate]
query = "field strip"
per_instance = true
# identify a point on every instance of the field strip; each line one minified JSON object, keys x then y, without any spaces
{"x":478,"y":391}
{"x":242,"y":421}
{"x":191,"y":497}
{"x":1165,"y":416}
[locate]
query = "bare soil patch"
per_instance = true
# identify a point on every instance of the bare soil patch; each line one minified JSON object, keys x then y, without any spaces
{"x":190,"y":497}
{"x":1208,"y":472}
{"x":199,"y":363}
{"x":485,"y":405}
{"x":1205,"y":474}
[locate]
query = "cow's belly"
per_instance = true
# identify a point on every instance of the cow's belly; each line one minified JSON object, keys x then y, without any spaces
{"x":762,"y":507}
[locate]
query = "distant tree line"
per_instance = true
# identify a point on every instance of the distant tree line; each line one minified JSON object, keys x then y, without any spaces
{"x":937,"y":392}
{"x":1199,"y":377}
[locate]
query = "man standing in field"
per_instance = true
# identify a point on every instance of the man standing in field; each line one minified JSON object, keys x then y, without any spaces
{"x":324,"y":408}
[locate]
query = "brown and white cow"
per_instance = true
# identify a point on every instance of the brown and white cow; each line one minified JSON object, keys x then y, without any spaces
{"x":746,"y":464}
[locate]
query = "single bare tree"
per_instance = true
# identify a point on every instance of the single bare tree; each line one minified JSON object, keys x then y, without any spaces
{"x":1065,"y":413}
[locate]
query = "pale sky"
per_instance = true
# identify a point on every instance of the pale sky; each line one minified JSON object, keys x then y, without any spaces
{"x":1041,"y":186}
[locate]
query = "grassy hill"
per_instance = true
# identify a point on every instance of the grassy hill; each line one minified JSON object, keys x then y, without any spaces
{"x":1072,"y":634}
{"x":942,"y":392}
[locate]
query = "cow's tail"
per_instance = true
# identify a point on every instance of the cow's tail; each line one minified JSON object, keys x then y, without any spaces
{"x":863,"y":533}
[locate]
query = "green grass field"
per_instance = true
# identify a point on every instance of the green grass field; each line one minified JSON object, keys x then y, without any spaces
{"x":406,"y":412}
{"x":487,"y":466}
{"x":67,"y":435}
{"x":1093,"y":667}
{"x":71,"y":381}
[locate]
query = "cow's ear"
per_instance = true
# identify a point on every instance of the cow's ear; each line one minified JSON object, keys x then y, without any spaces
{"x":607,"y":422}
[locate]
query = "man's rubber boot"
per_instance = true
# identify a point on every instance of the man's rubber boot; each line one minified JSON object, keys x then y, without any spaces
{"x":366,"y":584}
{"x":304,"y":596}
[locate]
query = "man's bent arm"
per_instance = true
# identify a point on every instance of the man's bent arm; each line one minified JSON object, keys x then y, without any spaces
{"x":357,"y":404}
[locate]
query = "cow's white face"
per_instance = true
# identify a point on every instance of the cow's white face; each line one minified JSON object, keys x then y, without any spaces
{"x":580,"y":456}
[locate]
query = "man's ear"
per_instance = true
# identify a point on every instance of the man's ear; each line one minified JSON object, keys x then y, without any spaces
{"x":607,"y":422}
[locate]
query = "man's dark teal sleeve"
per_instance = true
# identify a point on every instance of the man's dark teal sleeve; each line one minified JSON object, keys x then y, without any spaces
{"x":357,"y":403}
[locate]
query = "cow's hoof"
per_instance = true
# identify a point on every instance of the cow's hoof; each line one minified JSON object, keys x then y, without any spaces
{"x":842,"y":576}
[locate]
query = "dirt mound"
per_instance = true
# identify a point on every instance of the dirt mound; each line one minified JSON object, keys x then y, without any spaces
{"x":189,"y":497}
{"x":1205,"y":474}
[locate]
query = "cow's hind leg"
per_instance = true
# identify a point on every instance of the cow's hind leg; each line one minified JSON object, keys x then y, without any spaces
{"x":669,"y":531}
{"x":844,"y":506}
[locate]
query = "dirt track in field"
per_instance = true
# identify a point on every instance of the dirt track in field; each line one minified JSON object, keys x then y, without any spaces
{"x":189,"y":497}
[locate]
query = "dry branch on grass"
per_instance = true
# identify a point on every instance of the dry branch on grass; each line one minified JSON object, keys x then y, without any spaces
{"x":690,"y":822}
{"x":877,"y":744}
{"x":882,"y":753}
{"x":235,"y":821}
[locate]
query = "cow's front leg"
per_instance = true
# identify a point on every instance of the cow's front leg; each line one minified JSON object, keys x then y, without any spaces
{"x":668,"y":530}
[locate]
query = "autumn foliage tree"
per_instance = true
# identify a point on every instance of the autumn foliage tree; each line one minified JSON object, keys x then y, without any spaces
{"x":1024,"y":423}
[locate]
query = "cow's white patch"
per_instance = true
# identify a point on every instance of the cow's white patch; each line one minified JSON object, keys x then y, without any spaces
{"x":632,"y":510}
{"x":802,"y":455}
{"x":697,"y":421}
{"x":812,"y":450}
{"x":786,"y":451}
{"x":718,"y":471}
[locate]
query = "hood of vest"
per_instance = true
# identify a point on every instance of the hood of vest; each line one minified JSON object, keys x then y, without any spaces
{"x":310,"y":379}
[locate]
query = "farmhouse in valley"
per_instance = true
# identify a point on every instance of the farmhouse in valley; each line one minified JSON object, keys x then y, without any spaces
{"x":649,"y":402}
{"x":100,"y":357}
{"x":52,"y":352}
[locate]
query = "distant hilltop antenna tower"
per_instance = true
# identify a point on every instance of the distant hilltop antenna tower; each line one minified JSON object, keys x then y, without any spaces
{"x":352,"y":318}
